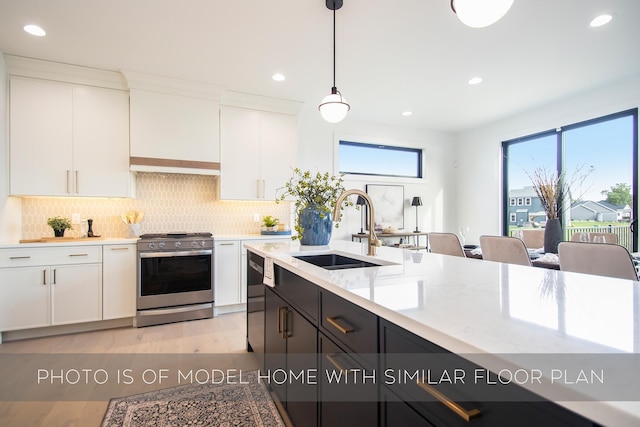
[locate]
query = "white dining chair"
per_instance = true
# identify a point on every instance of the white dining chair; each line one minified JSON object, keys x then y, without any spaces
{"x":445,"y":243}
{"x":600,"y":259}
{"x":595,"y":237}
{"x":510,"y":250}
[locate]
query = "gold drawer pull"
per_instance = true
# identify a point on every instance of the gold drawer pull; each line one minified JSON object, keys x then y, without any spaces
{"x":338,"y":326}
{"x":467,"y":415}
{"x":332,"y":359}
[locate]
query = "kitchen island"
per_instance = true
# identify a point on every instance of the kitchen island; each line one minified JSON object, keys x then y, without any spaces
{"x":504,"y":318}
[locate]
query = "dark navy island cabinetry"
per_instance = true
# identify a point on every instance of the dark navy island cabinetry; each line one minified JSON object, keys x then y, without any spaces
{"x":307,"y":327}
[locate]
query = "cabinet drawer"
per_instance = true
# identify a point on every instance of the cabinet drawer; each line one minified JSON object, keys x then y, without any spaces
{"x":349,"y":324}
{"x":300,"y":293}
{"x":403,"y":351}
{"x":26,"y":257}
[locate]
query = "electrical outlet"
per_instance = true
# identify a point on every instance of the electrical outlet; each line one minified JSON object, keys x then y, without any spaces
{"x":75,"y":218}
{"x":256,"y":217}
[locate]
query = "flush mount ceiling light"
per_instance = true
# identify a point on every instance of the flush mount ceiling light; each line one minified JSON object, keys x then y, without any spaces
{"x":35,"y":30}
{"x":334,"y":107}
{"x":278,"y":77}
{"x":475,"y":80}
{"x":480,"y":13}
{"x":601,"y":20}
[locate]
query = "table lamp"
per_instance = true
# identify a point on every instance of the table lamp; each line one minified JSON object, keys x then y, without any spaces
{"x":416,"y":202}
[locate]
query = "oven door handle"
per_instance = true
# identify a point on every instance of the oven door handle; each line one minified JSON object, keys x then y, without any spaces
{"x":174,"y":253}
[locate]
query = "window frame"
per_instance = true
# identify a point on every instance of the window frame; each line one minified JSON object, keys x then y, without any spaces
{"x":559,"y":136}
{"x":419,"y":173}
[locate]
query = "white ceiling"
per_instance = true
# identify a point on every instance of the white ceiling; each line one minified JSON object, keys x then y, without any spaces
{"x":392,"y":56}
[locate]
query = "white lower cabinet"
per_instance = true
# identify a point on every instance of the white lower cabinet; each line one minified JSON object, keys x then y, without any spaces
{"x":50,"y":286}
{"x":227,"y":272}
{"x":76,"y":293}
{"x":24,"y":298}
{"x":118,"y":281}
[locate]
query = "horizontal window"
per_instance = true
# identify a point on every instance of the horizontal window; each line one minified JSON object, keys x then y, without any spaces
{"x":380,"y":160}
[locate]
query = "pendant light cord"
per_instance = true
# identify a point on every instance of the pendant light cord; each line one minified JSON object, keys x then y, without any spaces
{"x":334,"y":46}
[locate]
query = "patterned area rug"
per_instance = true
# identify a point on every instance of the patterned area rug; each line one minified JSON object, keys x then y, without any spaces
{"x":196,"y":404}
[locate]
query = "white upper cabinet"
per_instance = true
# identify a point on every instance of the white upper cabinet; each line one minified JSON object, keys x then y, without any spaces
{"x":68,"y":140}
{"x":258,"y":152}
{"x":174,"y":125}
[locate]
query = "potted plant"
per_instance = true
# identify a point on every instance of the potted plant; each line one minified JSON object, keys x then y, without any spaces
{"x":59,"y":225}
{"x":270,"y":223}
{"x":553,"y":189}
{"x":315,"y":197}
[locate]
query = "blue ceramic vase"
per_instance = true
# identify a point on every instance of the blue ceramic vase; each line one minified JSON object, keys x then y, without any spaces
{"x":317,"y":230}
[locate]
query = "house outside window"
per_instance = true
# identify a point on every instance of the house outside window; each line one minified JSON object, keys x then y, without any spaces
{"x":527,"y":201}
{"x":512,"y":201}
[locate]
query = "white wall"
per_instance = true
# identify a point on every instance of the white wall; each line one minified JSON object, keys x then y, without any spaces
{"x":478,"y":151}
{"x":10,"y":207}
{"x":316,"y":152}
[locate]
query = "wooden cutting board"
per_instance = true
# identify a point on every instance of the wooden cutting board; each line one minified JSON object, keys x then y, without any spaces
{"x":60,"y":239}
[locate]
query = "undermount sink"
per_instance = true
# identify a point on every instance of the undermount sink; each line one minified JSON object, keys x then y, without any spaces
{"x":333,"y":261}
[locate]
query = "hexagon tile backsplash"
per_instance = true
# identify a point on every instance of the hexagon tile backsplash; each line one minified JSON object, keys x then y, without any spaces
{"x":171,"y":202}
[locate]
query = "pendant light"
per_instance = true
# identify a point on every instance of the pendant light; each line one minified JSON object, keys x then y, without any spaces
{"x":480,"y":13}
{"x":334,"y":107}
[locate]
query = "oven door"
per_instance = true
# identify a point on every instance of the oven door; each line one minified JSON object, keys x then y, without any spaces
{"x":167,"y":279}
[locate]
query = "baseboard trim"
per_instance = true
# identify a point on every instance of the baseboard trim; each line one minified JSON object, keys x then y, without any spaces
{"x":64,"y":329}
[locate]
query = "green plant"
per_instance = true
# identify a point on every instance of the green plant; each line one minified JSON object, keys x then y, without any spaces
{"x":269,"y":221}
{"x":320,"y":190}
{"x":59,"y":223}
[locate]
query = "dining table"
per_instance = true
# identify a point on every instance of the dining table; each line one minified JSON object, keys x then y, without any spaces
{"x":473,"y":251}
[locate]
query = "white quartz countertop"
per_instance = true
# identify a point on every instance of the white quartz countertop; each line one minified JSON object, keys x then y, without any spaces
{"x":487,"y":311}
{"x":71,"y":242}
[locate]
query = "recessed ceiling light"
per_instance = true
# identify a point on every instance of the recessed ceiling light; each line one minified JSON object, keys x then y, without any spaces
{"x":35,"y":30}
{"x":407,"y":113}
{"x":475,"y":80}
{"x":278,"y":77}
{"x":601,"y":20}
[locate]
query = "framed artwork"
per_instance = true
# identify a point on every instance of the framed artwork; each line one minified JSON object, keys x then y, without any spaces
{"x":388,"y":205}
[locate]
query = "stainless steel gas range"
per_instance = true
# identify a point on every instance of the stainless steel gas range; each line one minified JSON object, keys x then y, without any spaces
{"x":175,"y":278}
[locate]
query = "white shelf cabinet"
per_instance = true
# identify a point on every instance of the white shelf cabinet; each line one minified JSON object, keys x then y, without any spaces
{"x":50,"y":286}
{"x":257,"y":152}
{"x":68,"y":140}
{"x":118,"y":281}
{"x":227,"y":272}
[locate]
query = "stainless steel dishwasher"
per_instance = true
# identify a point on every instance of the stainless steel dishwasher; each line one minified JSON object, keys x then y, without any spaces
{"x":255,"y":304}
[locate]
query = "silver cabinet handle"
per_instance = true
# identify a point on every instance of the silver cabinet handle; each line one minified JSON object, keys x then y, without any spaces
{"x":20,"y":257}
{"x":68,"y":181}
{"x":75,"y":255}
{"x":227,"y":244}
{"x":44,"y":277}
{"x":76,"y":183}
{"x":124,"y":248}
{"x":54,"y":277}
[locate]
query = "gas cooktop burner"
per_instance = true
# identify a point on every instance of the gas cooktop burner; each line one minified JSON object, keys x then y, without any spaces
{"x":175,"y":235}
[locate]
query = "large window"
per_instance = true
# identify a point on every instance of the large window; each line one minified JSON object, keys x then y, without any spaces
{"x":381,"y":160}
{"x":603,"y":151}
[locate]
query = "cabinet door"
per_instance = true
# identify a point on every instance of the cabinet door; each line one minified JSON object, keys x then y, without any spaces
{"x":100,"y":142}
{"x":240,"y":154}
{"x":275,"y":341}
{"x":40,"y":138}
{"x":119,"y":281}
{"x":227,"y":273}
{"x":278,"y":152}
{"x":76,"y":293}
{"x":24,"y":298}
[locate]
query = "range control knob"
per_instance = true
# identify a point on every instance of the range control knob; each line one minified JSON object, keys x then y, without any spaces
{"x":161,"y":245}
{"x":178,"y":244}
{"x":203,"y":243}
{"x":194,"y":244}
{"x":152,"y":245}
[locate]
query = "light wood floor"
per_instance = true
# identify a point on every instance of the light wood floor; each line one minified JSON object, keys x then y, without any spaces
{"x":222,"y":334}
